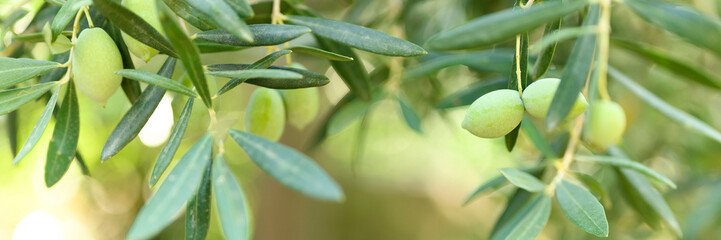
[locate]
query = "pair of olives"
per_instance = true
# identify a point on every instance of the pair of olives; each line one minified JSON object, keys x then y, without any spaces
{"x":268,"y":110}
{"x":497,"y":113}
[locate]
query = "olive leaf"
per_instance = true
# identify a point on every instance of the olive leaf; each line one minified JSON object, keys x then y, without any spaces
{"x":211,"y":47}
{"x":232,"y":205}
{"x":241,"y":7}
{"x":468,"y":94}
{"x":582,"y":208}
{"x":353,"y":73}
{"x":39,"y":127}
{"x":156,"y":80}
{"x":264,"y":62}
{"x":257,"y":73}
{"x":220,"y":13}
{"x":320,"y":53}
{"x":309,"y":79}
{"x":494,"y":183}
{"x":12,"y":99}
{"x":17,"y":70}
{"x":62,"y":147}
{"x":197,"y":213}
{"x":135,"y":118}
{"x":170,"y":147}
{"x":629,"y":164}
{"x":289,"y":167}
{"x":536,"y":137}
{"x":190,"y":14}
{"x":594,"y":186}
{"x":523,"y":180}
{"x":528,"y":221}
{"x":413,"y":120}
{"x":359,"y":37}
{"x":546,"y":52}
{"x":65,"y":14}
{"x":135,"y":26}
{"x":181,"y":184}
{"x":130,"y":88}
{"x":263,"y":35}
{"x":496,"y":60}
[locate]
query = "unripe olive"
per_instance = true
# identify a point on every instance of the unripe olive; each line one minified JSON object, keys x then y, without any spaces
{"x":147,"y":11}
{"x":537,"y":98}
{"x":607,"y":124}
{"x":301,"y":106}
{"x":494,"y":114}
{"x":95,"y":60}
{"x":265,"y":115}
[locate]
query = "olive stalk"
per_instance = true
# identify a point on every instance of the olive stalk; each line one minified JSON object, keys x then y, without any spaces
{"x":604,"y":30}
{"x":567,"y":159}
{"x":74,"y":39}
{"x":517,"y":55}
{"x":277,"y":18}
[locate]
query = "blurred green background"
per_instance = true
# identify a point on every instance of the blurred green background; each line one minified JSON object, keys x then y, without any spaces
{"x":404,"y":185}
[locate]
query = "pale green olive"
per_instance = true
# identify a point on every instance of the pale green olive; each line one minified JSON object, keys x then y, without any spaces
{"x":537,"y":98}
{"x":607,"y":124}
{"x":494,"y":114}
{"x":301,"y":106}
{"x":95,"y":60}
{"x":146,"y":10}
{"x":265,"y":115}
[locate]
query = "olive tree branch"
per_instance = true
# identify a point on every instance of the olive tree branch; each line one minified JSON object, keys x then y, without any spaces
{"x":604,"y":29}
{"x":567,"y":155}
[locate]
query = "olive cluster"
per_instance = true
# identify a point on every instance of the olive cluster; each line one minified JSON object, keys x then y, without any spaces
{"x":497,"y":113}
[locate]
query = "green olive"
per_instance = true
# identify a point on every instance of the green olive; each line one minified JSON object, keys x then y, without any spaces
{"x":495,"y":114}
{"x":265,"y":115}
{"x":301,"y":106}
{"x":607,"y":124}
{"x":147,"y":11}
{"x":95,"y":60}
{"x":537,"y":98}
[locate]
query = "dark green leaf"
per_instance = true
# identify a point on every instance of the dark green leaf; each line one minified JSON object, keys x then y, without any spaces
{"x":666,"y":109}
{"x":17,"y":70}
{"x":322,"y":131}
{"x":511,"y":137}
{"x":233,"y":208}
{"x":180,"y":185}
{"x":523,"y":180}
{"x":289,"y":167}
{"x":575,"y":74}
{"x":189,"y":55}
{"x":666,"y":61}
{"x":686,"y":22}
{"x":12,"y":99}
{"x":627,"y":163}
{"x":500,"y":26}
{"x":39,"y":127}
{"x":320,"y":53}
{"x":353,"y":72}
{"x":62,"y":147}
{"x":170,"y":147}
{"x":497,"y":60}
{"x":550,"y":40}
{"x":494,"y":183}
{"x":12,"y":132}
{"x":359,"y":37}
{"x":190,"y":14}
{"x":582,"y":208}
{"x":223,"y":16}
{"x":412,"y":118}
{"x":528,"y":222}
{"x":157,"y":80}
{"x":211,"y":47}
{"x":263,"y":35}
{"x":309,"y":79}
{"x":197,"y":213}
{"x":264,"y":62}
{"x":546,"y":52}
{"x":241,"y":7}
{"x":67,"y":12}
{"x":593,"y":185}
{"x":536,"y":138}
{"x":135,"y":26}
{"x":467,"y":95}
{"x":134,"y":120}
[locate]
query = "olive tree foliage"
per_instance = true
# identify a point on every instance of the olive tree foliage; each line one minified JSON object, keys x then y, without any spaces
{"x":580,"y":121}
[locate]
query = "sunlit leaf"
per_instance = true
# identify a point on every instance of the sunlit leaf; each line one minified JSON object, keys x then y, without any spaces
{"x":170,"y":147}
{"x":197,"y":213}
{"x":528,"y":221}
{"x":320,"y":53}
{"x":523,"y":180}
{"x":309,"y":79}
{"x":156,"y":80}
{"x":12,"y":99}
{"x":190,"y":14}
{"x":223,"y":16}
{"x":627,"y":163}
{"x":62,"y":147}
{"x":67,"y":12}
{"x":582,"y":208}
{"x":232,"y":205}
{"x":263,"y":35}
{"x":39,"y":127}
{"x":17,"y":70}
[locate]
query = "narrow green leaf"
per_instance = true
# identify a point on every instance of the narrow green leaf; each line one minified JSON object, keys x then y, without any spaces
{"x":666,"y":61}
{"x":467,"y":95}
{"x":233,"y":210}
{"x":157,"y":80}
{"x":130,"y":88}
{"x":575,"y":74}
{"x":351,"y":111}
{"x":65,"y":14}
{"x":180,"y":185}
{"x":268,"y":60}
{"x":593,"y":185}
{"x":497,"y":60}
{"x":39,"y":127}
{"x":500,"y":26}
{"x":241,"y":7}
{"x":353,"y":72}
{"x":17,"y":70}
{"x":494,"y":183}
{"x":62,"y":147}
{"x":223,"y":16}
{"x":170,"y":147}
{"x":320,"y":53}
{"x":528,"y":222}
{"x":666,"y":109}
{"x":322,"y":131}
{"x":413,"y":120}
{"x":211,"y":47}
{"x":359,"y":37}
{"x":582,"y":208}
{"x":537,"y":138}
{"x":289,"y":167}
{"x":189,"y":54}
{"x":12,"y":132}
{"x":57,"y":73}
{"x":519,"y":198}
{"x":36,"y":37}
{"x":627,"y":163}
{"x":190,"y":14}
{"x":523,"y":180}
{"x":686,"y":22}
{"x":644,"y":198}
{"x":703,"y":212}
{"x":135,"y":26}
{"x":263,"y":35}
{"x":257,"y":73}
{"x":197,"y":213}
{"x":134,"y":120}
{"x":12,"y":99}
{"x":550,"y":40}
{"x":262,"y":63}
{"x":309,"y":79}
{"x":511,"y":137}
{"x":13,"y":17}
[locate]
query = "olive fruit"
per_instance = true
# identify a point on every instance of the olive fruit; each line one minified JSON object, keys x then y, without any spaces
{"x":537,"y":98}
{"x":95,"y":60}
{"x":494,"y":114}
{"x":301,"y":106}
{"x":265,"y":115}
{"x":146,"y":10}
{"x":607,"y":124}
